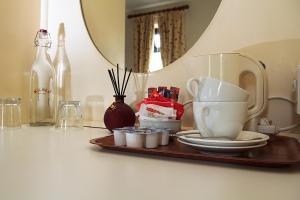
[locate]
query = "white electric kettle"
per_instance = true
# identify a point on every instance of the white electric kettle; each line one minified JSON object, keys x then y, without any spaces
{"x":242,"y":71}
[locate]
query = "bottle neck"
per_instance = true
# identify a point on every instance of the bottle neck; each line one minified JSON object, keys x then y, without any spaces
{"x":42,"y":53}
{"x":42,"y":42}
{"x":61,"y":50}
{"x":119,"y":98}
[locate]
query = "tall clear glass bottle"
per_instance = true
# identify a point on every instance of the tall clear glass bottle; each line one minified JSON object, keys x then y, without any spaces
{"x":62,"y":68}
{"x":42,"y":84}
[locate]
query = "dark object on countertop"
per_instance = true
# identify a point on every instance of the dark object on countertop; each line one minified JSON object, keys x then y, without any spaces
{"x":119,"y":114}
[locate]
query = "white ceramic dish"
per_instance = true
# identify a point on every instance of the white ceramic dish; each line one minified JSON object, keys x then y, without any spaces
{"x":222,"y":149}
{"x":245,"y":138}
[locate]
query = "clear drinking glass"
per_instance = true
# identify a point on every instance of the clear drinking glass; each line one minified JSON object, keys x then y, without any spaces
{"x":10,"y":113}
{"x":69,"y":115}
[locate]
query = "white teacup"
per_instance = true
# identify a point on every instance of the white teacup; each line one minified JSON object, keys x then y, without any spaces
{"x":220,"y":119}
{"x":209,"y":89}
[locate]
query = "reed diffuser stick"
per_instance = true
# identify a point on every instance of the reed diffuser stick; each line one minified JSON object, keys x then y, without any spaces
{"x":111,"y":78}
{"x":114,"y":78}
{"x":118,"y":78}
{"x":127,"y":82}
{"x":123,"y":80}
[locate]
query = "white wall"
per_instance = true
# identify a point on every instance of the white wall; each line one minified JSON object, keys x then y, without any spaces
{"x":198,"y":17}
{"x":106,"y":25}
{"x":237,"y":24}
{"x":19,"y":22}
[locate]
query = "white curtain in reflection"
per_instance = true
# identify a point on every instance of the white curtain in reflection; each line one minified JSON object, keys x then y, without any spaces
{"x":143,"y":37}
{"x":171,"y":28}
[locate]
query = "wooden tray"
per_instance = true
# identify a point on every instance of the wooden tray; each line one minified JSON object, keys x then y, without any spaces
{"x":280,"y":151}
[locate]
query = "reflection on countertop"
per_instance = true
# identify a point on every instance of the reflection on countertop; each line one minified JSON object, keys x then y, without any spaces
{"x":294,"y":134}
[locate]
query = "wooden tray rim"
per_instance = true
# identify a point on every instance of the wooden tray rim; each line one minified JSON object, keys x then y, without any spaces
{"x":203,"y":156}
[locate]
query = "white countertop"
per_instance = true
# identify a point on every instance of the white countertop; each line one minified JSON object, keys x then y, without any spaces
{"x":43,"y":164}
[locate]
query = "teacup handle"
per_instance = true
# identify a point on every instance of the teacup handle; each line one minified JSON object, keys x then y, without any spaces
{"x":191,"y":90}
{"x":203,"y":113}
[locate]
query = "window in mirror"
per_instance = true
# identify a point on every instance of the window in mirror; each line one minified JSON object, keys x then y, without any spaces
{"x":164,"y":28}
{"x":114,"y":38}
{"x":155,"y":57}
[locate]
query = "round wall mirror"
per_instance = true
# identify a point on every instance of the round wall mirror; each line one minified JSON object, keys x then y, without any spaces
{"x":146,"y":35}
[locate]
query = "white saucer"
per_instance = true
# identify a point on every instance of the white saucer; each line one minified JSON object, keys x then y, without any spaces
{"x":245,"y":138}
{"x":222,"y":149}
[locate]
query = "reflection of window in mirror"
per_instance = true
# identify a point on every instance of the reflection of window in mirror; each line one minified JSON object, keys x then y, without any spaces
{"x":110,"y":35}
{"x":155,"y":56}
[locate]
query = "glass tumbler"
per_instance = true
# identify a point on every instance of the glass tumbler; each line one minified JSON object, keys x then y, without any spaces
{"x":69,"y":115}
{"x":10,"y":113}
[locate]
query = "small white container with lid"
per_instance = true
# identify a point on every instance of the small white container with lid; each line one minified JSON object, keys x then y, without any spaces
{"x":164,"y":137}
{"x":151,"y":140}
{"x":119,"y":137}
{"x":135,"y":138}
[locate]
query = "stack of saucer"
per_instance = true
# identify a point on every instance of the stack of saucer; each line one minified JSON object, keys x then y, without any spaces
{"x":246,"y":140}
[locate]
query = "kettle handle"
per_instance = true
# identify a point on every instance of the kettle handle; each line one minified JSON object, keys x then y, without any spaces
{"x":260,"y":89}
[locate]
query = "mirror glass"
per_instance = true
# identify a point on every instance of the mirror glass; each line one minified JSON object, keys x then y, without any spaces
{"x":146,"y":35}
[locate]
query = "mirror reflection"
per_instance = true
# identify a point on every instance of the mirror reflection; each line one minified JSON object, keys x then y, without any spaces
{"x":147,"y":34}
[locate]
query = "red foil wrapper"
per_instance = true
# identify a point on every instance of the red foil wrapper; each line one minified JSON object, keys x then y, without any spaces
{"x":160,"y":100}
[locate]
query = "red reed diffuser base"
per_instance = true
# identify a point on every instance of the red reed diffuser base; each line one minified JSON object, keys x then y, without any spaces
{"x":119,"y":114}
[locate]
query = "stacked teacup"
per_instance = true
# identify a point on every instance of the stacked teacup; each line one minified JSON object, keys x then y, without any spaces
{"x":219,"y":107}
